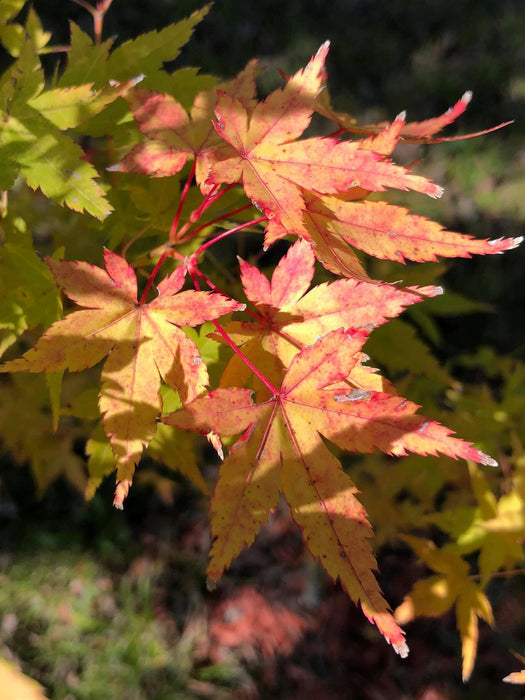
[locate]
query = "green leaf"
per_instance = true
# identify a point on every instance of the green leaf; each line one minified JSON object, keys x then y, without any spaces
{"x":148,"y":52}
{"x":174,"y":448}
{"x":50,"y":160}
{"x":68,"y":107}
{"x":8,"y":172}
{"x":23,"y":80}
{"x":13,"y":36}
{"x":9,"y":9}
{"x":183,"y":84}
{"x":397,"y":347}
{"x":47,"y":158}
{"x":101,"y":462}
{"x":28,"y":293}
{"x":144,"y":207}
{"x":86,"y":61}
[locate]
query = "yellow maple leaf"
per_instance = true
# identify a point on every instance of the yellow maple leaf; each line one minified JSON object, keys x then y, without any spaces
{"x":433,"y":596}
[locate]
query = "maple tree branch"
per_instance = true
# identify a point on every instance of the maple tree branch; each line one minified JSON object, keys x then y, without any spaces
{"x":175,"y":223}
{"x":337,"y":132}
{"x":135,"y":238}
{"x":499,"y":574}
{"x":207,"y":202}
{"x":219,"y":218}
{"x":153,"y":275}
{"x":225,"y":234}
{"x":98,"y":14}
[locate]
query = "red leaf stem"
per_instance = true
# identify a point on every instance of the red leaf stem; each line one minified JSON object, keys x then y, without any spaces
{"x":229,"y":341}
{"x":176,"y":218}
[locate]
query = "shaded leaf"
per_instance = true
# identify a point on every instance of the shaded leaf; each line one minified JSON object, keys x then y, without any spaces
{"x":144,"y":343}
{"x":28,"y":294}
{"x":435,"y":595}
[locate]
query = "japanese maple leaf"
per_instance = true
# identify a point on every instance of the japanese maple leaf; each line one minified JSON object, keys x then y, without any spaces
{"x":452,"y":585}
{"x":144,"y":343}
{"x":261,"y":150}
{"x":387,"y":232}
{"x":383,"y":230}
{"x":291,"y":317}
{"x":173,"y":134}
{"x":281,"y":449}
{"x":413,"y":132}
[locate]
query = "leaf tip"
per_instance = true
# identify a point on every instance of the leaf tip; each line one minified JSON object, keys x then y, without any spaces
{"x":466,"y":97}
{"x":121,"y":492}
{"x":114,"y":168}
{"x":487,"y":460}
{"x":513,"y":242}
{"x":401,"y":649}
{"x":515,"y":678}
{"x":211,"y":584}
{"x":437,"y":192}
{"x":401,"y":117}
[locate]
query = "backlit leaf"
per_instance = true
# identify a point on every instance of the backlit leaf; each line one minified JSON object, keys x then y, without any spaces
{"x":260,"y":150}
{"x":173,"y":134}
{"x":280,"y":448}
{"x":291,"y":317}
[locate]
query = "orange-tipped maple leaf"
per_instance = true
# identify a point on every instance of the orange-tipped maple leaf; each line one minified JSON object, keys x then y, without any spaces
{"x":413,"y":132}
{"x":291,"y":317}
{"x":144,"y":343}
{"x":281,"y":449}
{"x":173,"y":134}
{"x":262,"y":151}
{"x":388,"y":232}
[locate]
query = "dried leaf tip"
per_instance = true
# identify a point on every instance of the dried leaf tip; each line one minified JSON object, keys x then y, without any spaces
{"x":212,"y":583}
{"x":487,"y":460}
{"x":466,"y":97}
{"x":516,"y":678}
{"x":401,"y":117}
{"x":324,"y":47}
{"x":401,"y":649}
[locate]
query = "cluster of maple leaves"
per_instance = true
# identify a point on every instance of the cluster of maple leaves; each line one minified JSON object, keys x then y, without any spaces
{"x":297,"y":373}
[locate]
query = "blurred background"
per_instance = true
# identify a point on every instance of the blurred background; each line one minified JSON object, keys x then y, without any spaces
{"x":96,"y":603}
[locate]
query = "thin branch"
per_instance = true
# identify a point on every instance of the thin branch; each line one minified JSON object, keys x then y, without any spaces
{"x":229,"y":341}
